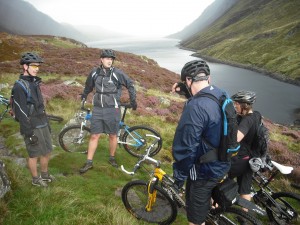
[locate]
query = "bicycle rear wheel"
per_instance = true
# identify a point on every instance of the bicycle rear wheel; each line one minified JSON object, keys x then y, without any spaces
{"x":74,"y":139}
{"x":135,"y":199}
{"x":139,"y":138}
{"x":231,"y":215}
{"x":55,"y":118}
{"x":290,"y":205}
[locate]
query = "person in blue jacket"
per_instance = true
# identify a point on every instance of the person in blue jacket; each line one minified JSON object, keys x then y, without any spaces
{"x":201,"y":119}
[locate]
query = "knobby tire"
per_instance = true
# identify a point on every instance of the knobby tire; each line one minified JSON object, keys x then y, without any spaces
{"x":290,"y":203}
{"x":70,"y":141}
{"x":135,"y":197}
{"x":140,"y":133}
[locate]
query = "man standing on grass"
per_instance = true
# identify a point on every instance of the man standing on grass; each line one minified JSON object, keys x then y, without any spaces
{"x":29,"y":110}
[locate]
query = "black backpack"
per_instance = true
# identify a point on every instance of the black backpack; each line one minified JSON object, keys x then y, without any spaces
{"x":259,"y":148}
{"x":25,"y":86}
{"x":228,"y":145}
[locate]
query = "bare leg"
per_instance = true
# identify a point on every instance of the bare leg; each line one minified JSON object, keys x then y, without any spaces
{"x":113,"y":143}
{"x":44,"y":160}
{"x":32,"y":165}
{"x":93,"y":146}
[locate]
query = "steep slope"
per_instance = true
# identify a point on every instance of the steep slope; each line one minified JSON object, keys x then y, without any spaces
{"x":257,"y":34}
{"x":210,"y":15}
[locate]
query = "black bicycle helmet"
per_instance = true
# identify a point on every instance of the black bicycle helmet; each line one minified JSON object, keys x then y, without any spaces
{"x":193,"y":68}
{"x":108,"y":53}
{"x":248,"y":97}
{"x":30,"y":57}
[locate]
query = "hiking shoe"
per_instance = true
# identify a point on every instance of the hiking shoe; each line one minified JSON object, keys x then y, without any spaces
{"x":86,"y":167}
{"x":48,"y":178}
{"x":39,"y":182}
{"x":113,"y":162}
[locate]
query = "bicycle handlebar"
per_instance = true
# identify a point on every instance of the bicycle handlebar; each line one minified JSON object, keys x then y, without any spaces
{"x":145,"y":157}
{"x":4,"y":100}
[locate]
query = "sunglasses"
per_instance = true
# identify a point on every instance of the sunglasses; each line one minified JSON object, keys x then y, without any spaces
{"x":34,"y":66}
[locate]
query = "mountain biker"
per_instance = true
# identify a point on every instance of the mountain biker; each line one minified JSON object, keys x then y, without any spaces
{"x":247,"y":126}
{"x":32,"y":118}
{"x":201,"y":119}
{"x":107,"y":81}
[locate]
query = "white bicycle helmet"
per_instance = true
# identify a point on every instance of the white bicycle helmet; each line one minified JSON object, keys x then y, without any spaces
{"x":255,"y":164}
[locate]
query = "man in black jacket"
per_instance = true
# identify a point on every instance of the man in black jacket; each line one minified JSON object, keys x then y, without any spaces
{"x":107,"y":82}
{"x":29,"y":109}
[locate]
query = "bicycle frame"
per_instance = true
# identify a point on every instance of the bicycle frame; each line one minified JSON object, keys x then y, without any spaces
{"x":4,"y":101}
{"x":264,"y":194}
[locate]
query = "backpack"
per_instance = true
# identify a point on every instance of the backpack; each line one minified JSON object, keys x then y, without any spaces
{"x":228,"y":146}
{"x":97,"y":73}
{"x":259,"y":148}
{"x":25,"y":85}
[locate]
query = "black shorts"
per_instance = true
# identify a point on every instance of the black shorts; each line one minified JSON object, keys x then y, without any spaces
{"x":44,"y":145}
{"x":240,"y":169}
{"x":198,"y":199}
{"x":105,"y":120}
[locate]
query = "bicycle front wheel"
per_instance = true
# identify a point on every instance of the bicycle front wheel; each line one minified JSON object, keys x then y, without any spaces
{"x":289,"y":204}
{"x":139,"y":138}
{"x":231,"y":215}
{"x":135,"y":199}
{"x":74,"y":139}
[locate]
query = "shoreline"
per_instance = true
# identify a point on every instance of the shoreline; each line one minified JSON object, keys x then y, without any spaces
{"x":277,"y":76}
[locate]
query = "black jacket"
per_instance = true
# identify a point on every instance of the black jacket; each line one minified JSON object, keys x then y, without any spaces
{"x":31,"y":114}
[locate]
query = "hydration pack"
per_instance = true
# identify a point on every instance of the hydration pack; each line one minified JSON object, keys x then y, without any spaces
{"x":259,"y":148}
{"x":228,"y":145}
{"x":25,"y":86}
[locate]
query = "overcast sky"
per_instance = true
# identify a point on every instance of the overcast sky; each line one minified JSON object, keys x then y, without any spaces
{"x":137,"y":17}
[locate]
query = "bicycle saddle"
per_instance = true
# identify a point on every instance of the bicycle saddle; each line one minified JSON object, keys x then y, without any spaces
{"x":283,"y":169}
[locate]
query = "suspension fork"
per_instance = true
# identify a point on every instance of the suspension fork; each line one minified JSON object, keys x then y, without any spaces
{"x":151,"y":193}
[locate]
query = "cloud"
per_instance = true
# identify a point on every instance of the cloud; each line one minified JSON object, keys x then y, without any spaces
{"x":135,"y":17}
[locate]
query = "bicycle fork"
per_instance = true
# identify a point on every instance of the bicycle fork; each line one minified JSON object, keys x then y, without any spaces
{"x":151,"y":194}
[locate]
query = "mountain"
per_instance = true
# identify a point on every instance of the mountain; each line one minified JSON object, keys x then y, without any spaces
{"x":260,"y":35}
{"x":20,"y":17}
{"x":209,"y":15}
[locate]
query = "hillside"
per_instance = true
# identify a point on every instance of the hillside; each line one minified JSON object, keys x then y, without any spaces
{"x":259,"y":35}
{"x":93,"y":198}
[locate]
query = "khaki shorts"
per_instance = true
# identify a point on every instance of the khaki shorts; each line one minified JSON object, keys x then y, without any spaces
{"x":44,"y":145}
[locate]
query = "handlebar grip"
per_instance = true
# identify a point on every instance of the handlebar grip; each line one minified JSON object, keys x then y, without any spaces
{"x":123,"y":169}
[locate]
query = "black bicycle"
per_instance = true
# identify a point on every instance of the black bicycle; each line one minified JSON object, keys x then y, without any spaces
{"x":157,"y":200}
{"x":281,"y":207}
{"x":6,"y":102}
{"x":135,"y":139}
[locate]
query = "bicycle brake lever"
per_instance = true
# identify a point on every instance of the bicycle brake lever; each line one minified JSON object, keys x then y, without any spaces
{"x":123,"y":169}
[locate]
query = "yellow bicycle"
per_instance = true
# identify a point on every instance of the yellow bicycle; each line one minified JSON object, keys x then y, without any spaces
{"x":157,"y":200}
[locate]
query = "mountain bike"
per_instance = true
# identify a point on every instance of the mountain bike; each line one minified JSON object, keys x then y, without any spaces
{"x":281,"y":207}
{"x":157,"y":200}
{"x":6,"y":102}
{"x":135,"y":139}
{"x":4,"y":181}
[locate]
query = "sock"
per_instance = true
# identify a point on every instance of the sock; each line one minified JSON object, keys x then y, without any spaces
{"x":34,"y":179}
{"x":89,"y":161}
{"x":111,"y":157}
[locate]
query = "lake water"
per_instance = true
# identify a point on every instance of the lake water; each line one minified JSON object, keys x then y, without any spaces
{"x":276,"y":100}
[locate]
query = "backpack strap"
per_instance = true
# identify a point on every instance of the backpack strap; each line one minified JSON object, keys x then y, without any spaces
{"x":211,"y":155}
{"x":25,"y":85}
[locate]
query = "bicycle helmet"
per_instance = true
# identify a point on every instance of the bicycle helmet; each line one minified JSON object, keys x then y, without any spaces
{"x":193,"y":68}
{"x":248,"y":97}
{"x":30,"y":57}
{"x":108,"y":53}
{"x":255,"y":164}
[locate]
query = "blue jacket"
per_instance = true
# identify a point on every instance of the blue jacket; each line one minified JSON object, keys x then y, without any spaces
{"x":201,"y":117}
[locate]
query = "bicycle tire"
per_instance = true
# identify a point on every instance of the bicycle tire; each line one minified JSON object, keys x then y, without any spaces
{"x":135,"y":197}
{"x":70,"y":141}
{"x":231,"y":215}
{"x":290,"y":203}
{"x":4,"y":181}
{"x":142,"y":133}
{"x":55,"y":118}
